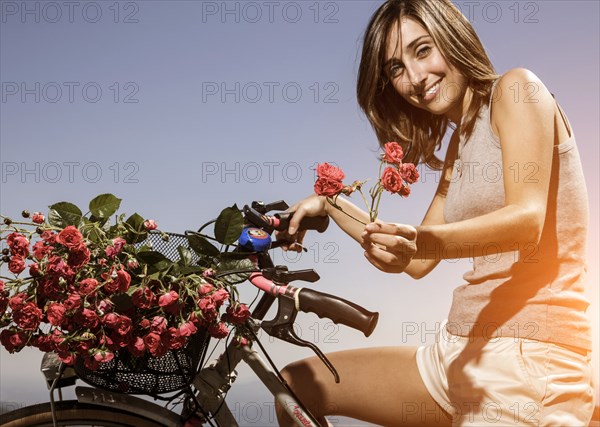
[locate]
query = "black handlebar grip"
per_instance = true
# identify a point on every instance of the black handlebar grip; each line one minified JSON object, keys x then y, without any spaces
{"x":318,"y":223}
{"x":338,"y":309}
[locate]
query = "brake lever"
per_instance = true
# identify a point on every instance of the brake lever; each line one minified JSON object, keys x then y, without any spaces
{"x":282,"y":327}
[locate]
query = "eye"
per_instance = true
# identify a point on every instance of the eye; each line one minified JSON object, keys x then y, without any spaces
{"x":423,"y":51}
{"x":395,"y":70}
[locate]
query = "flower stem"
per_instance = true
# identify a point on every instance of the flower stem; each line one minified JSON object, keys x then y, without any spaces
{"x":339,"y":208}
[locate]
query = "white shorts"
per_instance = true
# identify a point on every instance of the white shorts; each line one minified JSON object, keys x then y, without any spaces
{"x":507,"y":381}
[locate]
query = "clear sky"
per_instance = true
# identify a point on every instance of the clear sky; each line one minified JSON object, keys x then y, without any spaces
{"x":182,"y":108}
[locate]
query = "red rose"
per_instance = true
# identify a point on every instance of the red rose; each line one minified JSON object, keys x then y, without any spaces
{"x":391,"y":180}
{"x":28,"y":316}
{"x":16,"y":264}
{"x":55,"y":313}
{"x":88,"y":318}
{"x":34,"y":270}
{"x":143,"y":298}
{"x":88,"y":287}
{"x":43,"y":342}
{"x":187,"y":329}
{"x":38,"y":217}
{"x":169,"y":298}
{"x":70,"y":237}
{"x":218,"y":330}
{"x":172,"y":339}
{"x":409,"y":173}
{"x":73,"y":302}
{"x":150,"y":224}
{"x":124,"y":280}
{"x":393,"y":153}
{"x":17,"y":301}
{"x":115,"y":248}
{"x":58,"y":267}
{"x":327,"y":187}
{"x":111,"y":320}
{"x":79,"y":257}
{"x":49,"y":237}
{"x":159,"y":324}
{"x":238,"y":314}
{"x":103,"y":356}
{"x":68,"y":358}
{"x":154,"y":344}
{"x":120,"y":282}
{"x":105,"y":306}
{"x":124,"y":326}
{"x":18,"y":244}
{"x":40,"y":250}
{"x":333,"y":173}
{"x":2,"y":284}
{"x":206,"y":288}
{"x":137,"y":347}
{"x":220,"y":296}
{"x":13,"y":340}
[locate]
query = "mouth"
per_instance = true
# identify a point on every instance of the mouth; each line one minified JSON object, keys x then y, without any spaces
{"x":431,"y":92}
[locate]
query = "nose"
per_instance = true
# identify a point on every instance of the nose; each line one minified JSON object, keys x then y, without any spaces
{"x":416,"y":76}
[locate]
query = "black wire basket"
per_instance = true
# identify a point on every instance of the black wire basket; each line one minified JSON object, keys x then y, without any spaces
{"x":147,"y":374}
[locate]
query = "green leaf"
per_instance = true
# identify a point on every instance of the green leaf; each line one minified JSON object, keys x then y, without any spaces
{"x":232,"y":265}
{"x":104,"y":205}
{"x":186,"y":257}
{"x":154,"y":259}
{"x":63,"y":214}
{"x":229,"y":225}
{"x":201,"y":245}
{"x":137,"y":232}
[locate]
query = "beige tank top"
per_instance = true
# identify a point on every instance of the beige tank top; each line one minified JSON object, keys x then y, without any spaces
{"x":535,"y":291}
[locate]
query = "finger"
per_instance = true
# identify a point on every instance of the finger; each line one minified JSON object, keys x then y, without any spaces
{"x":295,"y":221}
{"x":389,"y":242}
{"x":407,"y":231}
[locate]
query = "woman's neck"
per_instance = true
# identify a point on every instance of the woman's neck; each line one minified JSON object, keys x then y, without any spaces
{"x":456,"y":114}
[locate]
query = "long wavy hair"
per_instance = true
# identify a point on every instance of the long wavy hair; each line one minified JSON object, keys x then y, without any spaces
{"x":420,"y":132}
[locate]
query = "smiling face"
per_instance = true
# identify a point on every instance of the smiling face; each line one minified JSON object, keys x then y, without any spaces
{"x":420,"y":73}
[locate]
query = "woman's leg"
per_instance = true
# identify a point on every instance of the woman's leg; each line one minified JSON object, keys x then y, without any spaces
{"x":378,"y":385}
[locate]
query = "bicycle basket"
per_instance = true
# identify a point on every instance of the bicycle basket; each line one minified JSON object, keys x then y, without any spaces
{"x":151,"y":375}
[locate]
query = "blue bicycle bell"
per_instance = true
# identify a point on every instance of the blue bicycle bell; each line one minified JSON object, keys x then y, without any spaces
{"x":254,"y":239}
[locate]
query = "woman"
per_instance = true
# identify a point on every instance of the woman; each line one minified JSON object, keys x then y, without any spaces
{"x":515,"y":349}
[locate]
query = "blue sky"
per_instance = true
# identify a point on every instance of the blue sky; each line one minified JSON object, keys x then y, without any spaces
{"x":182,"y":108}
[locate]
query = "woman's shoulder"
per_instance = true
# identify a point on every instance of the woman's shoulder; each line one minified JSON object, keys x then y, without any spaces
{"x":518,"y":91}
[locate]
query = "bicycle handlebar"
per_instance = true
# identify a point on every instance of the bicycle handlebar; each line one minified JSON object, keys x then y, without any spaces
{"x":338,"y":310}
{"x":332,"y":307}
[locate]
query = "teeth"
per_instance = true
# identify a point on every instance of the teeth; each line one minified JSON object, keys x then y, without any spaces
{"x":433,"y":89}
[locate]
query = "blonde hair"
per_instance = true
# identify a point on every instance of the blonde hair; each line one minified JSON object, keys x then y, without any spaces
{"x":418,"y":131}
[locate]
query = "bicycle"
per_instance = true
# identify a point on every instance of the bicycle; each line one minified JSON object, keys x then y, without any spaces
{"x":200,"y":388}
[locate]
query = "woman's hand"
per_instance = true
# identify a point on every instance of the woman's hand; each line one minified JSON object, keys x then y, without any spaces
{"x":310,"y":207}
{"x":388,"y":246}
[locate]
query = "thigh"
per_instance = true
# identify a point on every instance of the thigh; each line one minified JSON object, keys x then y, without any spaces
{"x":378,"y":385}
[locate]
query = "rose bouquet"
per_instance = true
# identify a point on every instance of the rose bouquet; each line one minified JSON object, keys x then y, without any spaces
{"x":86,"y":287}
{"x":394,"y":177}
